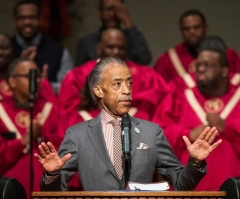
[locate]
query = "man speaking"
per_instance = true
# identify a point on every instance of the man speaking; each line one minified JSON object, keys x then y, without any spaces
{"x":92,"y":148}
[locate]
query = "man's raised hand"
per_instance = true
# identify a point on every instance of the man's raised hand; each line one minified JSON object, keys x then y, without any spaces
{"x":203,"y":146}
{"x":49,"y":158}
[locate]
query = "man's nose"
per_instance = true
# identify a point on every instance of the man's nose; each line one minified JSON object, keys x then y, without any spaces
{"x":111,"y":12}
{"x":116,"y":51}
{"x":201,"y":68}
{"x":126,"y":89}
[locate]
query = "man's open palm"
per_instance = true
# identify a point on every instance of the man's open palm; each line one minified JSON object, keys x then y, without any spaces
{"x":49,"y":157}
{"x":203,"y":146}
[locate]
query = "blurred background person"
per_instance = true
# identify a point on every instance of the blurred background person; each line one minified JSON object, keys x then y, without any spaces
{"x":44,"y":50}
{"x":180,"y":59}
{"x":213,"y":101}
{"x":148,"y":87}
{"x":6,"y":57}
{"x":114,"y":14}
{"x":49,"y":123}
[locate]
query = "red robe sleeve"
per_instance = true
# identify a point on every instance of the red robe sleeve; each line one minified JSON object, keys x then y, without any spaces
{"x":55,"y":126}
{"x":69,"y":96}
{"x":149,"y":88}
{"x":11,"y":151}
{"x":232,"y":129}
{"x":70,"y":92}
{"x":233,"y":61}
{"x":46,"y":91}
{"x":160,"y":66}
{"x":168,"y":115}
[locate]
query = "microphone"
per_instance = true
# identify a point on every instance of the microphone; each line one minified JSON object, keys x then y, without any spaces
{"x":32,"y":83}
{"x":126,"y":129}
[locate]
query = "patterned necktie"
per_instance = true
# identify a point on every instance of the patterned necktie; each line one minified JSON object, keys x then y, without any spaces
{"x":117,"y":147}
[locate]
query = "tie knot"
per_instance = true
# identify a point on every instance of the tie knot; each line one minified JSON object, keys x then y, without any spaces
{"x":115,"y":122}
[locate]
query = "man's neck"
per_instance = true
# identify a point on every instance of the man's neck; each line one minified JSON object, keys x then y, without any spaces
{"x":3,"y":71}
{"x":22,"y":104}
{"x":218,"y":91}
{"x":192,"y":50}
{"x":20,"y":98}
{"x":26,"y":42}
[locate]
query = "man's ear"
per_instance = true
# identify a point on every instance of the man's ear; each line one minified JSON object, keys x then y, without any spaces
{"x":98,"y":91}
{"x":225,"y":71}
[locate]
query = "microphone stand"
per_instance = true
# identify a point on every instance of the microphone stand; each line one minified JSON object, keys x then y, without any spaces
{"x":32,"y":92}
{"x":126,"y":127}
{"x":31,"y":106}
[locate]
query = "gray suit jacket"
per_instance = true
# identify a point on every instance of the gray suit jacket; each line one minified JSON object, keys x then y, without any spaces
{"x":90,"y":157}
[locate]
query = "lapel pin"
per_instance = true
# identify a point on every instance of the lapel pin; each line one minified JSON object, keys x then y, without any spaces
{"x":137,"y":130}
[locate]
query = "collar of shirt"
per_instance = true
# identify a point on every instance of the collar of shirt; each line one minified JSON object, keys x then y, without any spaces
{"x":106,"y":118}
{"x":34,"y":42}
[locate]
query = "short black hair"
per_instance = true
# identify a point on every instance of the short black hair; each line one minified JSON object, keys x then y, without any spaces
{"x":215,"y":44}
{"x":12,"y":67}
{"x":192,"y":12}
{"x":103,"y":30}
{"x":33,"y":2}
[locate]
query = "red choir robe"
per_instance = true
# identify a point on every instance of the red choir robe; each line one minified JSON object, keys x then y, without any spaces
{"x":166,"y":69}
{"x":75,"y":117}
{"x":177,"y":117}
{"x":46,"y":91}
{"x":148,"y":87}
{"x":14,"y":162}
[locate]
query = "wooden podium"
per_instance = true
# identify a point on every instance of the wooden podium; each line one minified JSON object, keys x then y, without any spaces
{"x":131,"y":195}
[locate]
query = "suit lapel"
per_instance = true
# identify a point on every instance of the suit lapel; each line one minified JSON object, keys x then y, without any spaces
{"x":135,"y":135}
{"x":96,"y":136}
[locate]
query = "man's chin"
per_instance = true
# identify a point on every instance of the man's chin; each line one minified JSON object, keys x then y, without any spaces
{"x":111,"y":25}
{"x":193,"y":43}
{"x":124,"y":111}
{"x":202,"y":86}
{"x":28,"y":36}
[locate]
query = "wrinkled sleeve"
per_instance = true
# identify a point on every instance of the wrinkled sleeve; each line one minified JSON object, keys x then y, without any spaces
{"x":170,"y":168}
{"x":69,"y":145}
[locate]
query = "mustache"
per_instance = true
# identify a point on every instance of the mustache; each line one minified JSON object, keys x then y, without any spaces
{"x":125,"y":99}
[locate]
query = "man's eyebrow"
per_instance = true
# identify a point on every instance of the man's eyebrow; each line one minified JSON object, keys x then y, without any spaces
{"x":117,"y":79}
{"x":120,"y":79}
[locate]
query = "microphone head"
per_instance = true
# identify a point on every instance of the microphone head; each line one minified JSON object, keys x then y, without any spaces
{"x":33,"y":73}
{"x":126,"y":122}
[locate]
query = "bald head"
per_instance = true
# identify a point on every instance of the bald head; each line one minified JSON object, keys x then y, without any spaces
{"x":112,"y":44}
